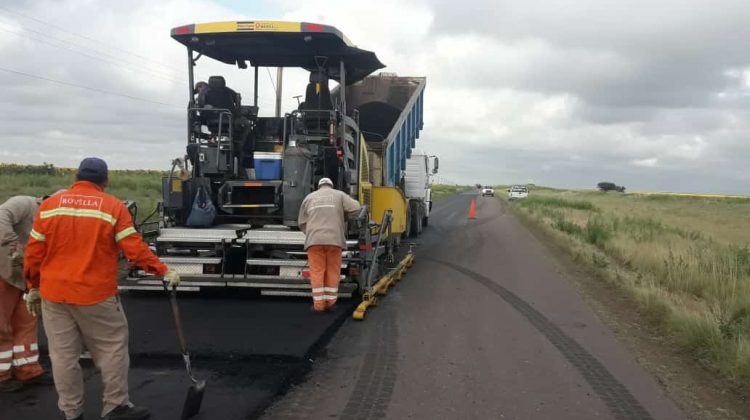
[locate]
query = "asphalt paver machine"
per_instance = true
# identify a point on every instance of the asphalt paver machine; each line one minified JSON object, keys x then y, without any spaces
{"x":257,"y":170}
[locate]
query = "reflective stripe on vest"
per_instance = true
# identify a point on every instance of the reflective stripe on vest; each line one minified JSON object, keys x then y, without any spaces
{"x":69,"y":211}
{"x":124,"y":233}
{"x":21,"y":361}
{"x":38,"y":236}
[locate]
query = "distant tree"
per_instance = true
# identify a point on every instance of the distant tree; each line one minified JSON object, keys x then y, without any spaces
{"x":610,"y":186}
{"x":606,"y":186}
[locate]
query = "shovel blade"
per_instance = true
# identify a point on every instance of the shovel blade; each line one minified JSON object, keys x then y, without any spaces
{"x":193,"y":400}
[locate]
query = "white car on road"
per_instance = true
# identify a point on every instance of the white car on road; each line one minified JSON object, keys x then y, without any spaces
{"x":488,"y":191}
{"x":517,"y":192}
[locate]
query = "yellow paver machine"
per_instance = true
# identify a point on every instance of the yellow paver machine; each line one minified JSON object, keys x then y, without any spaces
{"x":257,"y":170}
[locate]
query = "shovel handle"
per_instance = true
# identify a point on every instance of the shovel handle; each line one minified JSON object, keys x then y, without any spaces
{"x":177,"y":318}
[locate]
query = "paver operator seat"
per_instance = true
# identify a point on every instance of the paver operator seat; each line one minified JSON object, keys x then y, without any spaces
{"x":218,"y":95}
{"x":317,"y":95}
{"x":317,"y":102}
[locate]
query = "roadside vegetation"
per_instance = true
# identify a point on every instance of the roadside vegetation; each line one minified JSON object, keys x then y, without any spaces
{"x":684,"y":259}
{"x":441,"y":190}
{"x":143,"y":187}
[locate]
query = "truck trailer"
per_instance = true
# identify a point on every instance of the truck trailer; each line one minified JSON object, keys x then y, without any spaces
{"x":246,"y":175}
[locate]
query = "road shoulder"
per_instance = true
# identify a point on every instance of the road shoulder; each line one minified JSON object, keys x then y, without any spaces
{"x":699,"y":392}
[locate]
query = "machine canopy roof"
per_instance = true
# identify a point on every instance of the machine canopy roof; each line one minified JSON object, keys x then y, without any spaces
{"x":279,"y":44}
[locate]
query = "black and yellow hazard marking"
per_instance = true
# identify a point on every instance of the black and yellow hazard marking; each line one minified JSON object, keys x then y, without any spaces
{"x":381,"y":287}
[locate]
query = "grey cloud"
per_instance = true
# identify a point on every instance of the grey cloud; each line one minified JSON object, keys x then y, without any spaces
{"x":564,"y":93}
{"x":675,"y":52}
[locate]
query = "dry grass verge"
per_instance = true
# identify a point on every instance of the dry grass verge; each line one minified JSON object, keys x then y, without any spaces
{"x":672,"y":255}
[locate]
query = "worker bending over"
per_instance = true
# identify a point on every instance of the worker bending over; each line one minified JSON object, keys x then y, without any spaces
{"x":322,"y":218}
{"x":19,"y":350}
{"x":71,"y":266}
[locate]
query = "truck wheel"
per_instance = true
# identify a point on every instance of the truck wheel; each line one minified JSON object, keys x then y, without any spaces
{"x":407,"y":230}
{"x":415,"y":219}
{"x":420,"y":228}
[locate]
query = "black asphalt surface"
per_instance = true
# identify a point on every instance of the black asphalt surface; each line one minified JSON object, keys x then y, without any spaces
{"x":247,"y":348}
{"x":483,"y":326}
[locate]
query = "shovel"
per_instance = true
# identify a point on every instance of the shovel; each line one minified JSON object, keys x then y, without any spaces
{"x":194,"y":396}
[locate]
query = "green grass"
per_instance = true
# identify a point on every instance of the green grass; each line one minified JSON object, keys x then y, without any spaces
{"x":143,"y":187}
{"x":544,"y":201}
{"x":440,"y":191}
{"x":685,"y":259}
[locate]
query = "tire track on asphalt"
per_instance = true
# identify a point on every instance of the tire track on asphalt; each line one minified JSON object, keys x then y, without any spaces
{"x":615,"y":395}
{"x":377,"y":376}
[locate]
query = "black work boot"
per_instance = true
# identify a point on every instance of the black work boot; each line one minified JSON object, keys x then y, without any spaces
{"x":10,"y":385}
{"x":127,"y":412}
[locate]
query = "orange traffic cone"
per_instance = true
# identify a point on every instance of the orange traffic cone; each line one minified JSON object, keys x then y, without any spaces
{"x":472,"y":210}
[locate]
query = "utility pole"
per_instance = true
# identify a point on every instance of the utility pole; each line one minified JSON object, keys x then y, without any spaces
{"x":279,"y":78}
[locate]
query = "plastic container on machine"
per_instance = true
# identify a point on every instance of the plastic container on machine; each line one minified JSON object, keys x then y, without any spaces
{"x":267,"y":165}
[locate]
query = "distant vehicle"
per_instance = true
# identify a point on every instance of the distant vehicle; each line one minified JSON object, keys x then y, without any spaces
{"x":488,"y":191}
{"x":517,"y":192}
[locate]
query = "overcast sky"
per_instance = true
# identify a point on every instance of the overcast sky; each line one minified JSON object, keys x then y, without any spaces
{"x":653,"y":95}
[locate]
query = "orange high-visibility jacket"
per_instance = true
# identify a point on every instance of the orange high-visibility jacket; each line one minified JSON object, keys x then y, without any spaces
{"x":72,"y":254}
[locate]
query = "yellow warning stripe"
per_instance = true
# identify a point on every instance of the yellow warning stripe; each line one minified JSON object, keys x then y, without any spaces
{"x":248,"y":26}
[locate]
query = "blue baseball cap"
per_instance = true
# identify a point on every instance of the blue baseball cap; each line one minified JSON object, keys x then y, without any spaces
{"x":93,"y":169}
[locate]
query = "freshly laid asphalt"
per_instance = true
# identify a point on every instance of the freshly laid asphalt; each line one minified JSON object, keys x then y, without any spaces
{"x":248,"y":349}
{"x":483,"y":326}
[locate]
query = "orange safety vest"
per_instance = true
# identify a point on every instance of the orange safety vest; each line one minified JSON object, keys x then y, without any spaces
{"x":72,"y":254}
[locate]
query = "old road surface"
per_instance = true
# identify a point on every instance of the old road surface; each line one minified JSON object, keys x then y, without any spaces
{"x":482,"y":327}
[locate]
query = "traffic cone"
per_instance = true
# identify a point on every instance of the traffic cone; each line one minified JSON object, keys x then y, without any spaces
{"x":472,"y":210}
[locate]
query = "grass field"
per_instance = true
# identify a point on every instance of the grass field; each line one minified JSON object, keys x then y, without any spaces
{"x":684,"y":258}
{"x":144,"y":187}
{"x":440,"y":191}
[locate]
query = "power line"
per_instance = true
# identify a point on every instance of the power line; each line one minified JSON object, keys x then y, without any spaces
{"x":60,"y":82}
{"x":165,"y":72}
{"x":271,"y":79}
{"x":123,"y":65}
{"x":61,"y":29}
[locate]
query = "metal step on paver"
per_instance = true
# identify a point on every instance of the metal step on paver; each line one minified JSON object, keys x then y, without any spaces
{"x":282,"y":263}
{"x":277,"y":262}
{"x":267,"y":235}
{"x":295,"y":293}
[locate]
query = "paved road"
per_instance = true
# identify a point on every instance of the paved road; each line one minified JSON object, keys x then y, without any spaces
{"x":482,"y":327}
{"x":248,"y":350}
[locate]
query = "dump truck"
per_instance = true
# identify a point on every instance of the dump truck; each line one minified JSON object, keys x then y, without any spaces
{"x":254,"y":171}
{"x":420,"y":168}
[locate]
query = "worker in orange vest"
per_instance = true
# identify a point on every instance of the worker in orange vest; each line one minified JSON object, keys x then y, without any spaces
{"x":71,"y":267}
{"x":322,"y":217}
{"x":19,"y":350}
